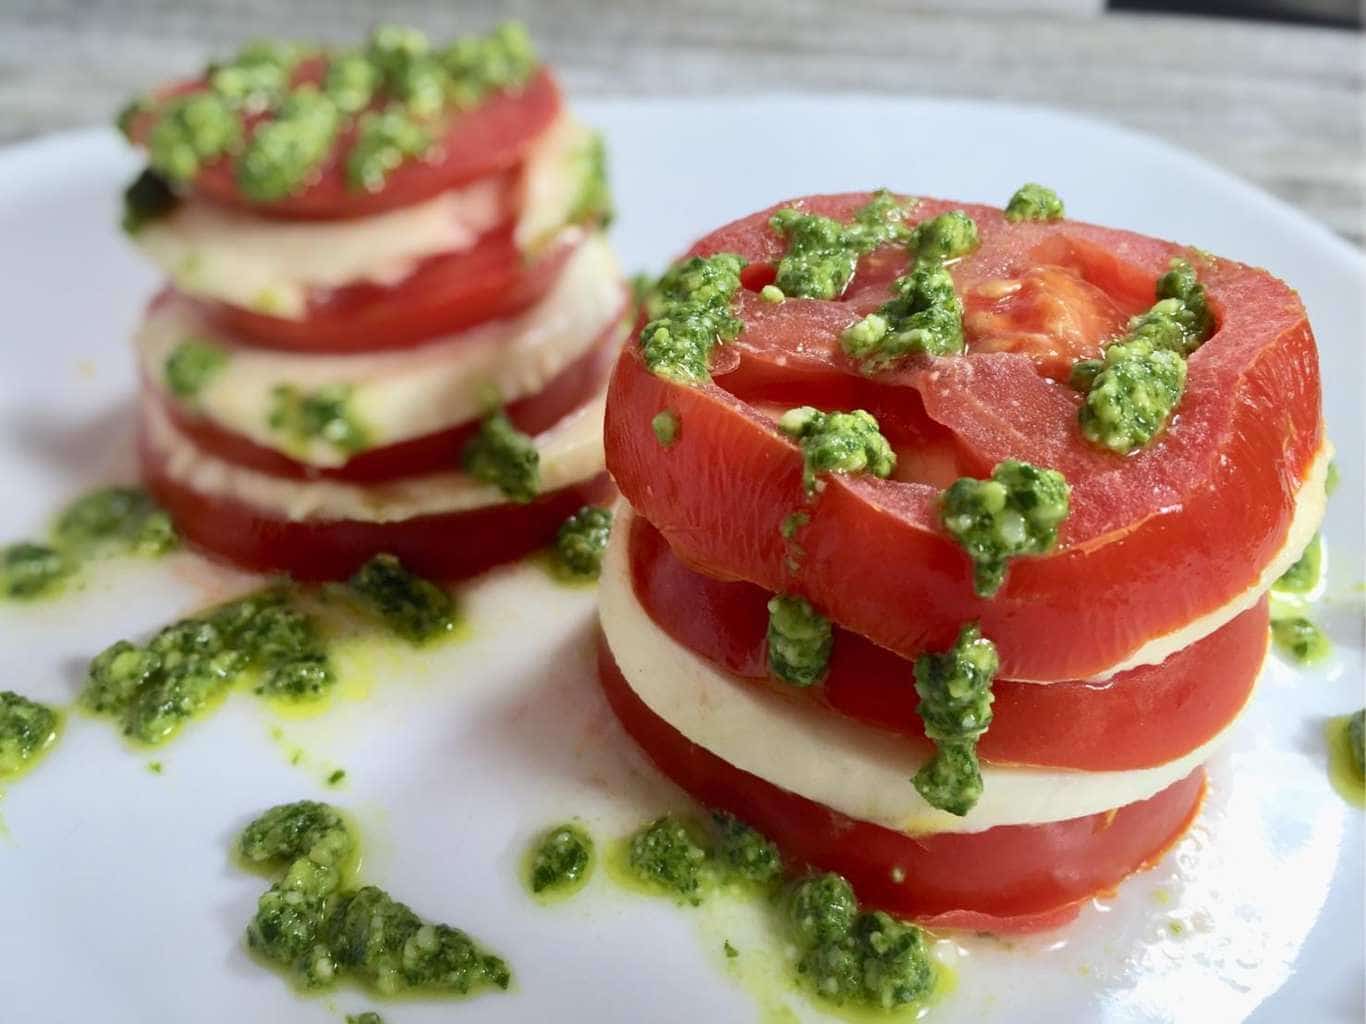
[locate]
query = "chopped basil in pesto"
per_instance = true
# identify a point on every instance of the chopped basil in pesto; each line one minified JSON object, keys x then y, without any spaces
{"x":311,"y":924}
{"x":478,"y":66}
{"x":1356,"y":741}
{"x":191,"y":365}
{"x":411,"y":72}
{"x":321,"y":415}
{"x":668,"y":856}
{"x":837,"y":442}
{"x":258,"y":77}
{"x":27,"y":729}
{"x":384,"y":140}
{"x":1016,"y":512}
{"x":114,"y":520}
{"x":945,"y":237}
{"x":1033,"y":201}
{"x":799,"y":641}
{"x":351,"y":81}
{"x":772,"y":294}
{"x":502,"y":455}
{"x":665,"y":425}
{"x":924,"y":317}
{"x":148,"y":198}
{"x":560,"y":861}
{"x":368,"y":1017}
{"x":955,"y":704}
{"x":744,"y":854}
{"x":1299,"y":639}
{"x":581,"y":540}
{"x":1303,"y":576}
{"x":190,"y":131}
{"x":862,"y":959}
{"x":412,"y":607}
{"x":822,"y":253}
{"x":31,"y":570}
{"x":285,"y":152}
{"x":593,"y":201}
{"x":690,"y":310}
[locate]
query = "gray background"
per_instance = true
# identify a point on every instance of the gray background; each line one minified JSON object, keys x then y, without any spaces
{"x":1278,"y":104}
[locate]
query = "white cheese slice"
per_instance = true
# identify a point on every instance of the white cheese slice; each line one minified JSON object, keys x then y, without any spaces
{"x":570,"y":453}
{"x":272,"y":265}
{"x":404,"y":393}
{"x":799,"y":746}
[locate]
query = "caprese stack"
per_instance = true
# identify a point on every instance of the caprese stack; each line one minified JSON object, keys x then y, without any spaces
{"x":391,"y":311}
{"x":948,"y":538}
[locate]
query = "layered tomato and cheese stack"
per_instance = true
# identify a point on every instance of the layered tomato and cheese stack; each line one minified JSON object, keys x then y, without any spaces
{"x":948,"y":539}
{"x":391,"y":311}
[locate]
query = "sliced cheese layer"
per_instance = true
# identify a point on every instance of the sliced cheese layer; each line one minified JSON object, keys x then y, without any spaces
{"x":271,"y":266}
{"x":862,"y":772}
{"x":404,"y":393}
{"x":570,"y":452}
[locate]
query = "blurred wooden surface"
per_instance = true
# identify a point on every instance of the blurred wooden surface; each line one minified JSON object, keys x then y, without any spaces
{"x":1280,"y":105}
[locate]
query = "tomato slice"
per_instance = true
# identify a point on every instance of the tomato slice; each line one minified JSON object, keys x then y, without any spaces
{"x":491,"y":138}
{"x":447,"y":546}
{"x":431,"y":453}
{"x":446,"y":293}
{"x":1139,"y":719}
{"x":1155,"y":540}
{"x":1004,"y":879}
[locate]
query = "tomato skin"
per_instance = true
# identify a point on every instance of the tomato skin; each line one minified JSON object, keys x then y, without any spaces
{"x":1142,"y":718}
{"x":493,"y":137}
{"x":445,"y":294}
{"x":1208,"y":504}
{"x":1008,"y":878}
{"x":431,"y":453}
{"x":447,"y":546}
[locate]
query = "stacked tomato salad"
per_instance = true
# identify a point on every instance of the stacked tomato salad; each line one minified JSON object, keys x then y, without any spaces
{"x":391,"y":311}
{"x":948,"y":539}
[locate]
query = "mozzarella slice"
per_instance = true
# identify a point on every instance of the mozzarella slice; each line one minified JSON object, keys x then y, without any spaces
{"x":404,"y":393}
{"x":570,"y":453}
{"x":862,"y":772}
{"x":271,"y":266}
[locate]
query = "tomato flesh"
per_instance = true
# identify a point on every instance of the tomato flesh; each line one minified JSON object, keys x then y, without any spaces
{"x":1208,"y":504}
{"x":431,"y":453}
{"x":1145,"y":717}
{"x":1004,"y":879}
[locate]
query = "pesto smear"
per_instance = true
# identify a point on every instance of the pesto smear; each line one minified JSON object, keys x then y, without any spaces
{"x":27,"y":729}
{"x":1032,"y":201}
{"x":1298,"y":638}
{"x":502,"y":455}
{"x":581,"y":541}
{"x":191,"y":365}
{"x":1303,"y":576}
{"x":799,"y":641}
{"x":955,"y":705}
{"x":314,"y":925}
{"x":413,"y":608}
{"x":837,"y":442}
{"x":690,"y":311}
{"x":560,"y":861}
{"x":324,"y":414}
{"x":1016,"y":512}
{"x":822,"y":253}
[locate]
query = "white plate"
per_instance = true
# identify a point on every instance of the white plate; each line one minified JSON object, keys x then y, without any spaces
{"x":118,"y":901}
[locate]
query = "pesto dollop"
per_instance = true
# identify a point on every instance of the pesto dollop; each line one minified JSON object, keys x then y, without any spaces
{"x":560,"y":861}
{"x":313,"y":925}
{"x":1032,"y":201}
{"x":743,"y":854}
{"x":665,"y":426}
{"x":324,"y":414}
{"x":837,"y":442}
{"x":189,"y":132}
{"x":593,"y":201}
{"x":949,"y":236}
{"x":581,"y":541}
{"x":27,"y":729}
{"x":191,"y":365}
{"x":924,"y":317}
{"x":1017,"y":512}
{"x":800,"y":640}
{"x":1299,"y":639}
{"x":412,"y":607}
{"x":368,"y":1017}
{"x":384,"y":140}
{"x":502,"y":455}
{"x":28,"y":569}
{"x":1356,"y":741}
{"x":690,"y":311}
{"x":1303,"y":576}
{"x":287,"y":151}
{"x":822,"y":253}
{"x":148,"y":198}
{"x":955,"y":704}
{"x":669,"y":856}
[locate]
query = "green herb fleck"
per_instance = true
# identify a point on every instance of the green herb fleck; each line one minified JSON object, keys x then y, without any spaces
{"x":925,"y":317}
{"x":955,"y":705}
{"x":412,"y":607}
{"x":368,"y":1017}
{"x":581,"y":541}
{"x":560,"y":861}
{"x":191,"y":365}
{"x":27,"y":729}
{"x":772,"y":294}
{"x":665,"y":425}
{"x":502,"y":455}
{"x":690,"y":310}
{"x":337,"y":778}
{"x":799,"y":641}
{"x":666,"y":856}
{"x":149,"y":198}
{"x":837,"y":442}
{"x":1033,"y":201}
{"x":730,"y":951}
{"x":321,"y":415}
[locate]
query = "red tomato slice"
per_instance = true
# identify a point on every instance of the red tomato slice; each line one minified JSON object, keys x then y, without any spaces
{"x":1006,"y":879}
{"x":1139,"y":719}
{"x":431,"y":453}
{"x":448,"y":546}
{"x":491,"y":138}
{"x":1209,"y":504}
{"x":445,"y":294}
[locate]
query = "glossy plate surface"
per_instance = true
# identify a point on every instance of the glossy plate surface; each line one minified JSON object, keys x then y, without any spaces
{"x":118,"y":901}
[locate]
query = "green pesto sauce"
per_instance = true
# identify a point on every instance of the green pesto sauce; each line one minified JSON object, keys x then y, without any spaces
{"x":1303,"y":576}
{"x":317,"y":927}
{"x":287,"y":151}
{"x":948,"y":236}
{"x":742,"y":854}
{"x":1330,"y":483}
{"x":321,"y":415}
{"x":924,"y":317}
{"x":411,"y":607}
{"x":837,"y":442}
{"x":1016,"y":512}
{"x":1299,"y":639}
{"x":665,"y":424}
{"x":581,"y":541}
{"x":368,"y":1017}
{"x":670,"y":856}
{"x":27,"y":730}
{"x":799,"y":641}
{"x":559,"y":862}
{"x":149,"y":197}
{"x":1346,"y":738}
{"x":384,"y":140}
{"x":191,"y":365}
{"x":593,"y":201}
{"x":1033,"y":201}
{"x":190,"y":131}
{"x":822,"y":254}
{"x":31,"y":570}
{"x":257,"y":78}
{"x":955,"y":704}
{"x":502,"y":455}
{"x":690,"y":311}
